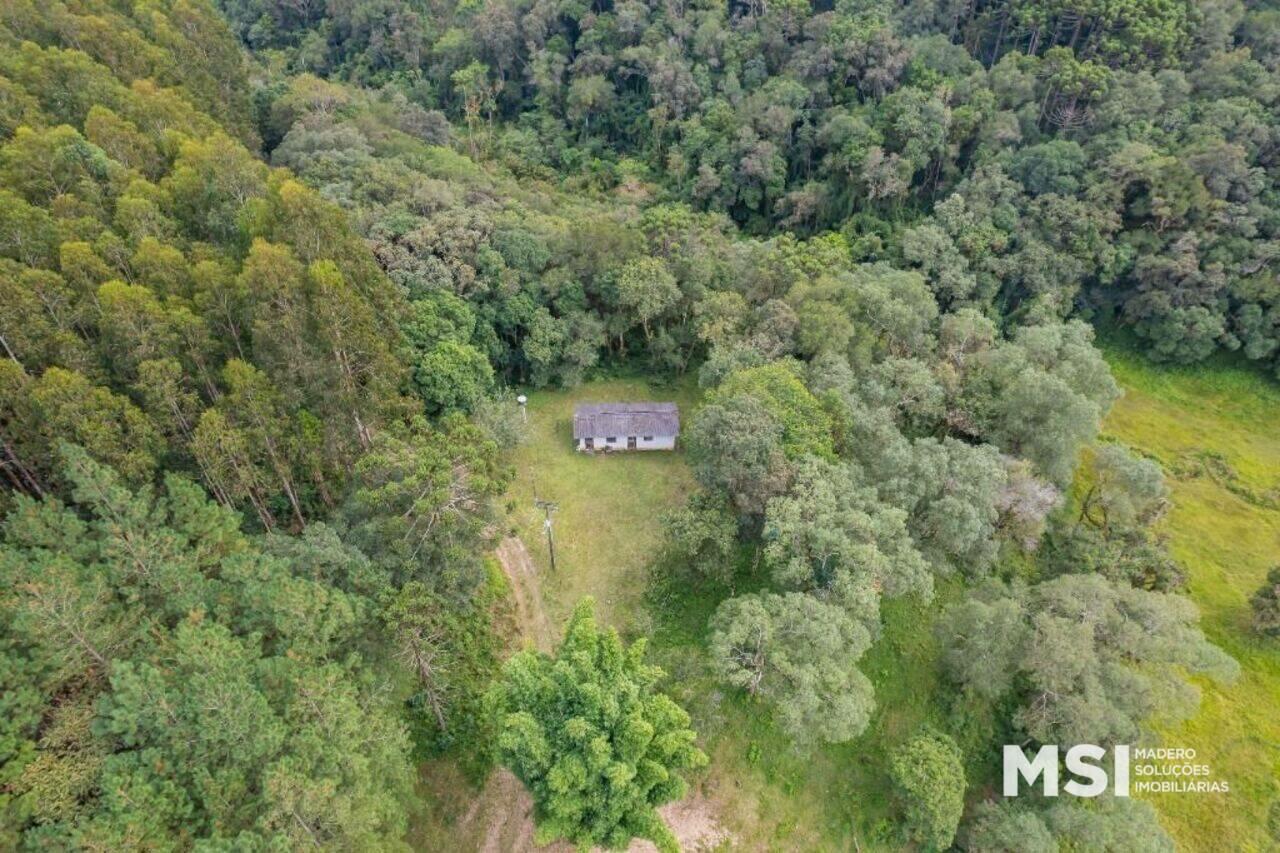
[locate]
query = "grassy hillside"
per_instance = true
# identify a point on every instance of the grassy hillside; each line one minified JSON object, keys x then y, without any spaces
{"x":1214,"y":429}
{"x":772,"y":796}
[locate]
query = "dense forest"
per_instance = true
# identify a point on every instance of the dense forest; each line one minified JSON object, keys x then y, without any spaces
{"x":270,"y":275}
{"x":230,"y":530}
{"x":1033,"y":160}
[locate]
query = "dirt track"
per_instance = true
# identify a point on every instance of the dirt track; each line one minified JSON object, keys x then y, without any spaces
{"x":500,"y":819}
{"x":531,"y":613}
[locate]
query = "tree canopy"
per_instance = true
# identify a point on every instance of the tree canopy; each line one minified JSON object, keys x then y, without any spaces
{"x":263,"y":316}
{"x":928,"y":772}
{"x":170,"y":681}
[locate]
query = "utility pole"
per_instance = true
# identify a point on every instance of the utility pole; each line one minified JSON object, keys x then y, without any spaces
{"x":548,"y":507}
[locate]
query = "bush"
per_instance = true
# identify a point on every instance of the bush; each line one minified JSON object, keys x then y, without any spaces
{"x":1266,"y":605}
{"x":928,"y":773}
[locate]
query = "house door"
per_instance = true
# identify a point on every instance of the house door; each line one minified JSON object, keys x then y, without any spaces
{"x":590,"y":443}
{"x":631,"y":442}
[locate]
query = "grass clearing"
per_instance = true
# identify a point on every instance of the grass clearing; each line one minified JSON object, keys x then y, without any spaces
{"x":606,"y":527}
{"x":1214,"y":429}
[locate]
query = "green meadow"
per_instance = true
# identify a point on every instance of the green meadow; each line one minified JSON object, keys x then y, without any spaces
{"x":605,"y":527}
{"x":1216,"y":431}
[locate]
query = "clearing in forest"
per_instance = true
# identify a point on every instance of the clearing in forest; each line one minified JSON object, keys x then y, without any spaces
{"x":606,"y":526}
{"x":759,"y":793}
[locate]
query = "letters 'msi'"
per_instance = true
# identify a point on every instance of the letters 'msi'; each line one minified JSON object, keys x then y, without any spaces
{"x":1083,"y":762}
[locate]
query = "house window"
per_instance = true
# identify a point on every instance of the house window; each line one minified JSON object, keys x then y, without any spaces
{"x":611,"y":439}
{"x":648,"y":438}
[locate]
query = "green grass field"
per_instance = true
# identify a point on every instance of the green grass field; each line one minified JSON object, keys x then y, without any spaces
{"x":606,"y":528}
{"x":773,"y":797}
{"x":1216,"y":431}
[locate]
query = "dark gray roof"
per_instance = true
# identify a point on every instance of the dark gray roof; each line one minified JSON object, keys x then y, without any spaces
{"x":623,"y":419}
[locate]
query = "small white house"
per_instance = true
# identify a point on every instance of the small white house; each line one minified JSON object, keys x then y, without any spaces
{"x":626,"y":426}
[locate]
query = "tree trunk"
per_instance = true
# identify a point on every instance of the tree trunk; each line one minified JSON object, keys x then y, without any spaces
{"x":19,"y":474}
{"x":9,"y":352}
{"x":995,"y":50}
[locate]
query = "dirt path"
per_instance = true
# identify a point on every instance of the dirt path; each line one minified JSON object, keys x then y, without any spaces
{"x":693,"y":823}
{"x":531,"y":613}
{"x":500,"y":819}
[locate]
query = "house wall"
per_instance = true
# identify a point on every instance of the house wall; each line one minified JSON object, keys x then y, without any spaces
{"x":659,"y":442}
